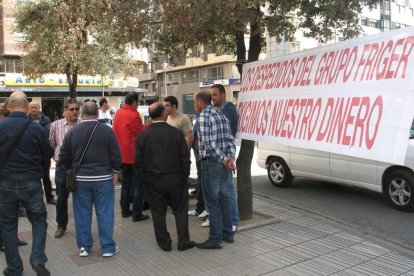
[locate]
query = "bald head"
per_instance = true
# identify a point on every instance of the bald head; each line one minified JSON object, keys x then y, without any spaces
{"x":18,"y":102}
{"x":157,"y":112}
{"x":90,"y":110}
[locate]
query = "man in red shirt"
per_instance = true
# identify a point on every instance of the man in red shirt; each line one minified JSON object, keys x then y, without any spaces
{"x":127,"y":125}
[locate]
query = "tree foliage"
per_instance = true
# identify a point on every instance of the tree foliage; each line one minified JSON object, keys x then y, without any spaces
{"x":79,"y":36}
{"x":223,"y":25}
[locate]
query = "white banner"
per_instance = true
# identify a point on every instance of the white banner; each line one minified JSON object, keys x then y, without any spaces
{"x":354,"y":98}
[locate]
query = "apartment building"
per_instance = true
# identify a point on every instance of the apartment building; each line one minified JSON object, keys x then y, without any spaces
{"x":50,"y":90}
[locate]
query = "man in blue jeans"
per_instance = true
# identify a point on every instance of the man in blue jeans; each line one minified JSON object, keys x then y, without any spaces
{"x":218,"y":98}
{"x":20,"y":182}
{"x":217,"y":150}
{"x":97,"y":175}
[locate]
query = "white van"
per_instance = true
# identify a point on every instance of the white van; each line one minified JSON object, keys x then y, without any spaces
{"x":394,"y":181}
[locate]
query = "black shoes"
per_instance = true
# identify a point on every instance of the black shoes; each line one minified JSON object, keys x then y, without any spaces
{"x":6,"y":272}
{"x":139,"y":218}
{"x":228,"y":239}
{"x":208,"y":245}
{"x":166,"y":248}
{"x":189,"y":245}
{"x":21,"y":243}
{"x":40,"y":270}
{"x":126,"y":214}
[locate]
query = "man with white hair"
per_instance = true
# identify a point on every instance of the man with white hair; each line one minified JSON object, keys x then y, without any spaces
{"x":24,"y":147}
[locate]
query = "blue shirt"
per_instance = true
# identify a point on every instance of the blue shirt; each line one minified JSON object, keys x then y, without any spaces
{"x":214,"y":136}
{"x":230,"y":111}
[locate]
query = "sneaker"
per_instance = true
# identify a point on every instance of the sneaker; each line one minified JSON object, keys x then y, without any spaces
{"x":234,"y":228}
{"x":203,"y":214}
{"x":83,"y":252}
{"x":110,"y":254}
{"x":206,"y":223}
{"x":192,"y":213}
{"x":60,"y":232}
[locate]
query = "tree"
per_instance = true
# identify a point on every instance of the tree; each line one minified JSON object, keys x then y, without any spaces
{"x":79,"y":36}
{"x":223,"y":25}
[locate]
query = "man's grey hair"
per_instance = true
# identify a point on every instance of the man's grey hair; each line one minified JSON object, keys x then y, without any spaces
{"x":69,"y":102}
{"x":18,"y":99}
{"x":90,"y":109}
{"x":203,"y":96}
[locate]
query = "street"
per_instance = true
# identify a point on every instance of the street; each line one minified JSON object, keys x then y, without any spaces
{"x":362,"y":210}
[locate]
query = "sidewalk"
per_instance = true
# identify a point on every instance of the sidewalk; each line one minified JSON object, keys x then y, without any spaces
{"x":291,"y":243}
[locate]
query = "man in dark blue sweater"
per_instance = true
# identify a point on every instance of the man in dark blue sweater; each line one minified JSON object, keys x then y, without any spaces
{"x":20,"y":182}
{"x":96,"y":177}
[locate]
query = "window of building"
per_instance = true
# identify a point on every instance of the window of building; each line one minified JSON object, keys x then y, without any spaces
{"x":213,"y":73}
{"x":154,"y":87}
{"x":172,"y":78}
{"x":412,"y":11}
{"x":2,"y":66}
{"x":190,"y":76}
{"x":10,"y":66}
{"x":373,"y":23}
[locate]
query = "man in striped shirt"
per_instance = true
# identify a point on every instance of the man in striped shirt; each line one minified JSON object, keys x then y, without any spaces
{"x":58,"y":130}
{"x":217,"y":153}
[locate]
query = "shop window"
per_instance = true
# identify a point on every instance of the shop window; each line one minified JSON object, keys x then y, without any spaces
{"x":10,"y":66}
{"x":2,"y":66}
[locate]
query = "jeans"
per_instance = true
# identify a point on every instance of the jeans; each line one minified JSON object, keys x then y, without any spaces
{"x":200,"y":201}
{"x":62,"y":197}
{"x":130,"y":184}
{"x":30,"y":194}
{"x":234,"y":207}
{"x":216,"y":181}
{"x":100,"y":194}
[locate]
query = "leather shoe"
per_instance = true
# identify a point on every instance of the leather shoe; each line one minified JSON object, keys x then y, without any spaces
{"x":51,"y":201}
{"x":166,"y":248}
{"x":21,"y":243}
{"x":139,"y":218}
{"x":126,"y":214}
{"x":189,"y":245}
{"x":208,"y":245}
{"x":40,"y":270}
{"x":6,"y":272}
{"x":2,"y":248}
{"x":228,"y":239}
{"x":60,"y":232}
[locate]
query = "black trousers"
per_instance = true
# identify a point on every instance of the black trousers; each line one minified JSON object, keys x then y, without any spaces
{"x":131,"y":187}
{"x":168,"y":190}
{"x":47,"y":184}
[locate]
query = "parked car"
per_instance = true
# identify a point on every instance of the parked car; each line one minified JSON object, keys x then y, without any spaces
{"x":396,"y":182}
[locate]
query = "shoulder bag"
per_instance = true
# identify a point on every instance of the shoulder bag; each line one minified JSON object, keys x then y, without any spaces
{"x":71,"y":183}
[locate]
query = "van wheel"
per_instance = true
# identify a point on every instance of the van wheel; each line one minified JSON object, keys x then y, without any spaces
{"x":279,"y":172}
{"x":399,"y":188}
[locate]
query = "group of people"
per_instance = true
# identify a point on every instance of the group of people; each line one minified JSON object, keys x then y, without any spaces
{"x":154,"y":159}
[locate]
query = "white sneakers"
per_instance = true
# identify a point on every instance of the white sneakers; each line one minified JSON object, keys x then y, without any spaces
{"x":206,"y":223}
{"x":107,"y":255}
{"x":83,"y":252}
{"x":192,"y":213}
{"x":203,"y":214}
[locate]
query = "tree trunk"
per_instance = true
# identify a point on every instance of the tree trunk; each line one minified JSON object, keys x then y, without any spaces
{"x":245,"y":158}
{"x":72,"y":80}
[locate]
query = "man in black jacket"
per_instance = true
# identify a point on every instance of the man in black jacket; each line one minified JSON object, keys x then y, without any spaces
{"x":38,"y":117}
{"x":20,"y":182}
{"x":163,"y":162}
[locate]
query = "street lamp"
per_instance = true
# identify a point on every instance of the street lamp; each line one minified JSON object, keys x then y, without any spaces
{"x":164,"y":66}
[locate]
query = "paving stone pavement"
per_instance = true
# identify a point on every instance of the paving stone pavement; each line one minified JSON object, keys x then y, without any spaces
{"x":290,"y":242}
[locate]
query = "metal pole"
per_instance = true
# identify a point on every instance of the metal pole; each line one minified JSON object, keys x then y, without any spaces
{"x":103,"y":88}
{"x":165,"y":82}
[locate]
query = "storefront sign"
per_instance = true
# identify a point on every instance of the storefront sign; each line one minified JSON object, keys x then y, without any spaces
{"x":212,"y":82}
{"x":51,"y":80}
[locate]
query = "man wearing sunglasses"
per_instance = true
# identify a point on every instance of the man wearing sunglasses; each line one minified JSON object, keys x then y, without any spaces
{"x":58,"y":130}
